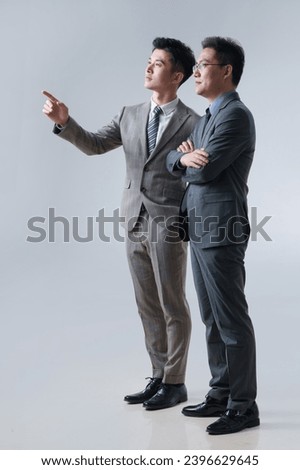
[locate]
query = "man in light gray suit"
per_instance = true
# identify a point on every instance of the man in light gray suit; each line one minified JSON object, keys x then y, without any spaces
{"x":216,"y":161}
{"x":150,"y":206}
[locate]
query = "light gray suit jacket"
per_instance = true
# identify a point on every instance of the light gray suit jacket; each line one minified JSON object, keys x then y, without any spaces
{"x":216,"y":198}
{"x":147,"y":180}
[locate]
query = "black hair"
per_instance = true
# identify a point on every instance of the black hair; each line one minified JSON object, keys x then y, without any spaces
{"x":228,"y":51}
{"x":181,"y":55}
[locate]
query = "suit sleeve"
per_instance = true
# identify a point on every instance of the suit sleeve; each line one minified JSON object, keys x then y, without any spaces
{"x":234,"y":134}
{"x":93,"y":143}
{"x":173,"y":158}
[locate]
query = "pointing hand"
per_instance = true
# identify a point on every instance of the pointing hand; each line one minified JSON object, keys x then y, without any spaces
{"x":55,"y":110}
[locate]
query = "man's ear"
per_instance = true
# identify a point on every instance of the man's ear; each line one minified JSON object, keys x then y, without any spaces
{"x":178,"y":77}
{"x":228,"y":71}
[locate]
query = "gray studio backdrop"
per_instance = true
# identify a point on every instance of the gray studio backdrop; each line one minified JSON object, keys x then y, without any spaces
{"x":69,"y":327}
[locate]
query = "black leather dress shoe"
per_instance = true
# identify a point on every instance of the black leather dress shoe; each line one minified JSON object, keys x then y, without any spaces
{"x":168,"y":395}
{"x":147,"y":393}
{"x":209,"y":408}
{"x":235,"y":421}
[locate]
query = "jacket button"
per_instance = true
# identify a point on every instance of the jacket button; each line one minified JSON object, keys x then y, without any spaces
{"x":143,"y":190}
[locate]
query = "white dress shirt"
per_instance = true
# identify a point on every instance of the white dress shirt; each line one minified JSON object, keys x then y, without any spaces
{"x":165,"y":117}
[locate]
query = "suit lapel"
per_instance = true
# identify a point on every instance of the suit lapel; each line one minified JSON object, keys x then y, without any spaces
{"x":141,"y":127}
{"x":232,"y":97}
{"x":209,"y":125}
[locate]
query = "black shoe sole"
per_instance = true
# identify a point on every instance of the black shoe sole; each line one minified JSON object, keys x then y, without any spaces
{"x":251,"y":424}
{"x":135,"y":402}
{"x":192,"y":414}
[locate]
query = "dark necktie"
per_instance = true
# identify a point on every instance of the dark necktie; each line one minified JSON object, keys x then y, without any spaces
{"x":152,"y":129}
{"x":207,"y":118}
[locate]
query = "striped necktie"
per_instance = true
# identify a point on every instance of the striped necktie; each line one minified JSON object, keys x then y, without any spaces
{"x":153,"y":128}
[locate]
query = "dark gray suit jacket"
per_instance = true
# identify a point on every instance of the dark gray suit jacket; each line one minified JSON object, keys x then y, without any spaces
{"x":216,"y":198}
{"x":147,"y":180}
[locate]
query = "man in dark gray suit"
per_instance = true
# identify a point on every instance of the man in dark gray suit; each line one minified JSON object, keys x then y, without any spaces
{"x":215,"y":161}
{"x":150,"y":205}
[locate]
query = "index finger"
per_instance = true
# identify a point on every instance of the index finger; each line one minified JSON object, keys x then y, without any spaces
{"x":51,"y":97}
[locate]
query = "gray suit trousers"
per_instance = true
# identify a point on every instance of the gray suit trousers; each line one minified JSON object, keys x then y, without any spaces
{"x":219,"y":277}
{"x":158,"y":270}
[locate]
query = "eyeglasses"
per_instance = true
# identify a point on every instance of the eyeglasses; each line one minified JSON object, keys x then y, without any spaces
{"x":202,"y":65}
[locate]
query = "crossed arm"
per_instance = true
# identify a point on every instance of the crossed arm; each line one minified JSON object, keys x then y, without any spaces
{"x":192,"y":158}
{"x":234,"y":135}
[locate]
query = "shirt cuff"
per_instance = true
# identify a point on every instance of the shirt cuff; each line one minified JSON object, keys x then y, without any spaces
{"x":58,"y":128}
{"x":179,"y":165}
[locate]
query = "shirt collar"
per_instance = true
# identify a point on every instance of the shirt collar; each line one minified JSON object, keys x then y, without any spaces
{"x":217,"y":103}
{"x":166,"y":108}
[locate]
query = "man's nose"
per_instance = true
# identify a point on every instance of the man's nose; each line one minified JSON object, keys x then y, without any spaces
{"x":149,"y":68}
